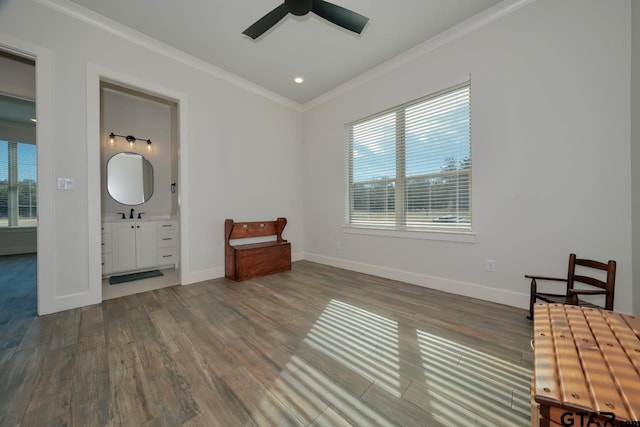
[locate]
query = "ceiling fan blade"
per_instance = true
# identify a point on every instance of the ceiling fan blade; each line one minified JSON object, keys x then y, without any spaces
{"x":340,"y":16}
{"x":263,"y":24}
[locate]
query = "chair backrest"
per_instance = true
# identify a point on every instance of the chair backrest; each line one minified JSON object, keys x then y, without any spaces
{"x":608,"y":285}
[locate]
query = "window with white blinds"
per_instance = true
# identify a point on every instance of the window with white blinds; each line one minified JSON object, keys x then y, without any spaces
{"x":410,"y":167}
{"x":18,"y":191}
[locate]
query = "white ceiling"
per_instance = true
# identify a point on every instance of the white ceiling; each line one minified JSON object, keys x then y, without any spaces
{"x":324,"y":54}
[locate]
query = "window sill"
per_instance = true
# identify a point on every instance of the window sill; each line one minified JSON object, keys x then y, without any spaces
{"x":440,"y":235}
{"x":25,"y":229}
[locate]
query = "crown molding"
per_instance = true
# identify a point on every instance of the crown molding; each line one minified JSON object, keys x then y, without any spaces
{"x":486,"y":17}
{"x":477,"y":21}
{"x":95,"y":19}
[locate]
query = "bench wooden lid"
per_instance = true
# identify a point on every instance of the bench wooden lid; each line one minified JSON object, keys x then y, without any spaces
{"x":587,"y":359}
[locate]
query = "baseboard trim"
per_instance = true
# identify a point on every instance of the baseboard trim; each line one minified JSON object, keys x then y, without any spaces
{"x":218,"y":272}
{"x":69,"y":302}
{"x":486,"y":293}
{"x":204,"y":275}
{"x":18,"y":250}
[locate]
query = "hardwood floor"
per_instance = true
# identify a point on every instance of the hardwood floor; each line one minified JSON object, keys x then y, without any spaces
{"x":317,"y":346}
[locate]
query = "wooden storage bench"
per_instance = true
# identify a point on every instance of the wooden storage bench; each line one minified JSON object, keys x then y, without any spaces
{"x":246,"y":261}
{"x":586,"y":367}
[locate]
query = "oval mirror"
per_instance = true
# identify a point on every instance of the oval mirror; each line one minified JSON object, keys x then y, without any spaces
{"x":129,"y":178}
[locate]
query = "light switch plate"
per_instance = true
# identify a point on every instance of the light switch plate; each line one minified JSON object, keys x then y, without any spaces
{"x":491,"y":265}
{"x":66,"y":184}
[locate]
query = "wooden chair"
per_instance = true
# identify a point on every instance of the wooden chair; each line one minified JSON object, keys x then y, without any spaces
{"x":571,"y":294}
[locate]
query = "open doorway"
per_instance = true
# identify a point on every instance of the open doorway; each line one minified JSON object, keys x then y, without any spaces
{"x":18,"y":197}
{"x":140,"y":212}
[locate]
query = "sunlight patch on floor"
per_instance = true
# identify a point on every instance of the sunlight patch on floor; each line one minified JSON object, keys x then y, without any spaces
{"x":349,"y":406}
{"x":460,"y":384}
{"x":339,"y":333}
{"x":487,"y":384}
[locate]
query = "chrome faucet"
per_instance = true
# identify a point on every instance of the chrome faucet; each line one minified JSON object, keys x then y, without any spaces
{"x":131,"y":214}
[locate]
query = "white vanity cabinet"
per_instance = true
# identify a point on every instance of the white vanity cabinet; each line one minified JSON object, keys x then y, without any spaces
{"x":130,"y":245}
{"x":167,"y":243}
{"x":133,"y":245}
{"x":107,"y":264}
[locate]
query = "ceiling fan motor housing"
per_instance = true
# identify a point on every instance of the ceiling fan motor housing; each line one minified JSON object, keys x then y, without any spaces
{"x":299,"y":7}
{"x":338,"y":15}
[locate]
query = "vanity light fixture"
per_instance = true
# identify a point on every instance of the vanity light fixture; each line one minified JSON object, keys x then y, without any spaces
{"x":130,"y":139}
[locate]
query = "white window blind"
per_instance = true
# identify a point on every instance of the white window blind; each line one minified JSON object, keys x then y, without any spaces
{"x":410,"y":167}
{"x":18,"y":190}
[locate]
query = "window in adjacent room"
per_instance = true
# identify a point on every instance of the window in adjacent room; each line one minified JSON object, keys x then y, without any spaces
{"x":18,"y":201}
{"x":410,"y":167}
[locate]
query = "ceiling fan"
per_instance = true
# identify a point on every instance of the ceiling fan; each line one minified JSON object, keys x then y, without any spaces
{"x":340,"y":16}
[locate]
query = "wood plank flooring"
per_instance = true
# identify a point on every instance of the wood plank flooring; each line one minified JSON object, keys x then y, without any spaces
{"x":317,"y":346}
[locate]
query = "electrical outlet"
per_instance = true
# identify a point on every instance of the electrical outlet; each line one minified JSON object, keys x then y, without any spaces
{"x":338,"y":245}
{"x":491,"y":265}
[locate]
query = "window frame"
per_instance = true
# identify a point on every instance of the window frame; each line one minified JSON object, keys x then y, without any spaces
{"x":13,"y":187}
{"x":399,"y":228}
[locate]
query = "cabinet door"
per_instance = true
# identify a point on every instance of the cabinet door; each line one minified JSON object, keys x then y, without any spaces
{"x":123,"y":244}
{"x":146,"y":245}
{"x":107,"y":264}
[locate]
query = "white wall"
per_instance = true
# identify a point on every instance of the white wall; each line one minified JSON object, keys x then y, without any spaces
{"x":241,"y":150}
{"x":20,"y":132}
{"x":128,"y":114}
{"x":551,"y":132}
{"x":18,"y":240}
{"x":550,"y":146}
{"x":635,"y":150}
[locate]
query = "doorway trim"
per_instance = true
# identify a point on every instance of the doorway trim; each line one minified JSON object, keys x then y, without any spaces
{"x":96,"y":74}
{"x":46,"y":265}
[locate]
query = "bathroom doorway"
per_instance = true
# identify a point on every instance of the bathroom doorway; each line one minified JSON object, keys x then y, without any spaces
{"x":140,"y":238}
{"x":18,"y":197}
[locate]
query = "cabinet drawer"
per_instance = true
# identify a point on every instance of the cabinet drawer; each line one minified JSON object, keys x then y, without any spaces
{"x":167,"y":256}
{"x":107,"y":264}
{"x":166,"y":238}
{"x":167,"y":225}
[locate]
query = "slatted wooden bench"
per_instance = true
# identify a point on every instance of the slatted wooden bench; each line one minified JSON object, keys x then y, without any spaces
{"x":586,"y":367}
{"x":246,"y":261}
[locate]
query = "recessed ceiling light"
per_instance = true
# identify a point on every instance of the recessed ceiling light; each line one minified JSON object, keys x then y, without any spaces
{"x":298,"y":80}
